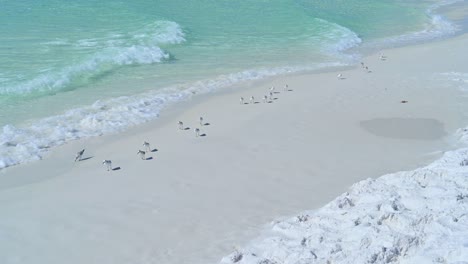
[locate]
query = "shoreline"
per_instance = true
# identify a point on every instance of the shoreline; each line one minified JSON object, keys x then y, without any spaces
{"x":167,"y":114}
{"x":260,"y":146}
{"x":102,"y":109}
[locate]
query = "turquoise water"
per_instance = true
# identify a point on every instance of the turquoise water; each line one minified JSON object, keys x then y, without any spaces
{"x":73,"y":69}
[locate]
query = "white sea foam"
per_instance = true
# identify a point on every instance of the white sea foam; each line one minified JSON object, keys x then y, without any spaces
{"x":339,"y":38}
{"x":140,"y":47}
{"x":30,"y":142}
{"x":437,"y":27}
{"x":418,"y":216}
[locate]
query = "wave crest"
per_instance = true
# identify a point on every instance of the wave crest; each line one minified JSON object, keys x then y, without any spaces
{"x":338,"y":38}
{"x":135,"y":48}
{"x":436,"y":27}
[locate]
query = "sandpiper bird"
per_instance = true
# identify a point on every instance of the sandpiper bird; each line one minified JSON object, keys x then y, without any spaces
{"x":271,"y":96}
{"x":339,"y":76}
{"x":252,"y":99}
{"x":79,"y":155}
{"x":272,"y":89}
{"x":265,"y":98}
{"x":382,"y":56}
{"x":201,"y":121}
{"x":147,"y":146}
{"x":241,"y":100}
{"x":197,"y":132}
{"x":108,"y":164}
{"x":286,"y":87}
{"x":181,"y":125}
{"x":142,"y":154}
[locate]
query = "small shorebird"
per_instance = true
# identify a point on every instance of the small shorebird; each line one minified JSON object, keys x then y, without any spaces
{"x":382,"y":57}
{"x":201,"y":121}
{"x":362,"y":64}
{"x":79,"y":155}
{"x":147,"y":146}
{"x":339,"y":76}
{"x":181,"y":125}
{"x":271,"y":96}
{"x":241,"y":101}
{"x":286,"y":87}
{"x":108,"y":164}
{"x":265,"y":99}
{"x":272,"y":89}
{"x":142,"y":154}
{"x":252,"y":99}
{"x":197,"y":132}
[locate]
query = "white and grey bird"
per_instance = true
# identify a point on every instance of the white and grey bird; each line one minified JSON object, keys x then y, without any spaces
{"x":79,"y":155}
{"x":142,"y":154}
{"x":201,"y":121}
{"x":197,"y":132}
{"x":181,"y":125}
{"x":271,"y":96}
{"x":146,"y":145}
{"x":265,"y":99}
{"x":286,"y":87}
{"x":382,"y":56}
{"x":108,"y":164}
{"x":272,"y":89}
{"x":252,"y":99}
{"x":339,"y":76}
{"x":241,"y":100}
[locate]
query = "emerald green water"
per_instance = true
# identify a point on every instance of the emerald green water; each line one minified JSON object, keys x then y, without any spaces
{"x":72,"y":69}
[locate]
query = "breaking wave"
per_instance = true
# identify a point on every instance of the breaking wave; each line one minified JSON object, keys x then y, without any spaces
{"x":134,"y":48}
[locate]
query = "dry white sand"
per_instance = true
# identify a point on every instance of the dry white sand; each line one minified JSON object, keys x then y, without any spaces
{"x":198,"y":197}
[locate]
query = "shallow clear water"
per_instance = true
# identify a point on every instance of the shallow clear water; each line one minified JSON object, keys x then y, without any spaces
{"x":75,"y":69}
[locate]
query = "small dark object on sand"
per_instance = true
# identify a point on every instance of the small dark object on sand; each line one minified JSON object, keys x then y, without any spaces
{"x":403,"y":101}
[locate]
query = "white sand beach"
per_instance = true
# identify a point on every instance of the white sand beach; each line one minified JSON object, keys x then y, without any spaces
{"x":199,"y":197}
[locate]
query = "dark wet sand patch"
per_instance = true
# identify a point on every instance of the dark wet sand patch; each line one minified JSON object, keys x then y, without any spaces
{"x":405,"y":128}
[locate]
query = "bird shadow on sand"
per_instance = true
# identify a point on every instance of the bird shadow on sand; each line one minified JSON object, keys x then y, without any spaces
{"x":203,"y":135}
{"x":187,"y":128}
{"x":87,"y":158}
{"x":149,"y":158}
{"x":154,"y":150}
{"x":116,"y":169}
{"x":206,"y":124}
{"x":256,"y":102}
